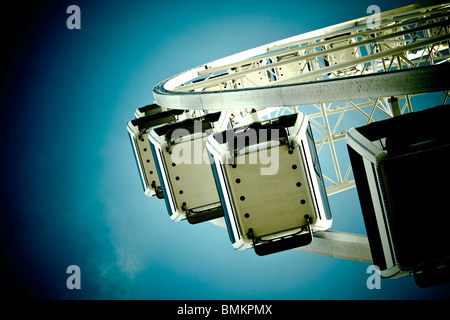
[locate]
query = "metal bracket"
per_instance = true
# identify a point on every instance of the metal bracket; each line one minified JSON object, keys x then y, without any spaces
{"x":300,"y":239}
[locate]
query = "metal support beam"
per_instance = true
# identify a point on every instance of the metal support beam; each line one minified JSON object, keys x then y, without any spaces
{"x":339,"y":187}
{"x":342,"y":245}
{"x":330,"y":140}
{"x":395,"y":106}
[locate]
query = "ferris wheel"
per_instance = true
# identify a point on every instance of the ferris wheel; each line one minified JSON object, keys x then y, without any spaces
{"x":307,"y":99}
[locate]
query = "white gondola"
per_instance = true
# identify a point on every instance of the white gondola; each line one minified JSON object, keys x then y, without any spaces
{"x":400,"y":167}
{"x":149,"y":117}
{"x":272,"y":207}
{"x":184,"y":167}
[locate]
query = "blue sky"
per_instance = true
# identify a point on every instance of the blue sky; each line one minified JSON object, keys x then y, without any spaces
{"x":70,"y":191}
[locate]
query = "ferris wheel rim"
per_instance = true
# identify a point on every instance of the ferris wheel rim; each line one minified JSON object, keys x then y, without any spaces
{"x":176,"y":91}
{"x":258,"y":97}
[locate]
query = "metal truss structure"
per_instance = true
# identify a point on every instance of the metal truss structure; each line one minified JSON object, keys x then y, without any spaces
{"x":342,"y":76}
